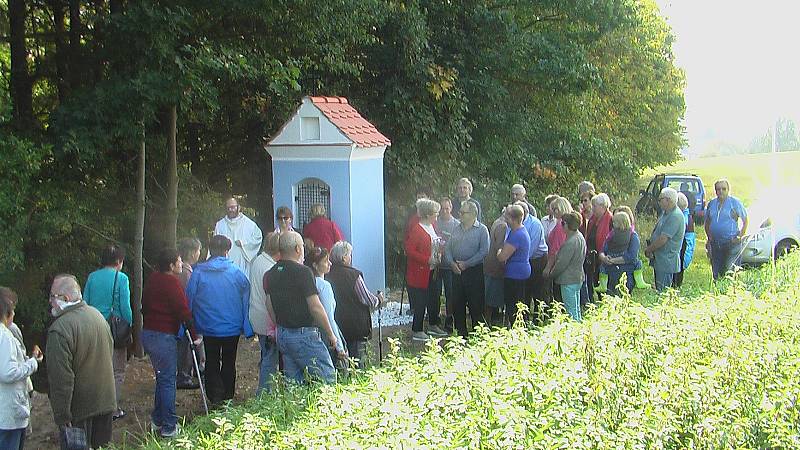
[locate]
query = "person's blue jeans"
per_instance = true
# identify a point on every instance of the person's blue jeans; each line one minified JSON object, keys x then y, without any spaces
{"x":12,"y":439}
{"x":304,"y":351}
{"x":663,"y":280}
{"x":723,"y":257}
{"x":571,"y":296}
{"x":615,"y":272}
{"x":164,"y":357}
{"x":269,"y":362}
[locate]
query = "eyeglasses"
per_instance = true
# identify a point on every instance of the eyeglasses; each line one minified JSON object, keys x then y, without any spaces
{"x":585,"y":200}
{"x":57,"y":296}
{"x":231,"y":208}
{"x":284,"y":218}
{"x":720,"y":189}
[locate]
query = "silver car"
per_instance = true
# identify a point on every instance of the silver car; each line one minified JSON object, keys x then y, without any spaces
{"x":777,"y":232}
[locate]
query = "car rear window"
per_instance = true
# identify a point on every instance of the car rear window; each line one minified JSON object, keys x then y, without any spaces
{"x":684,"y":185}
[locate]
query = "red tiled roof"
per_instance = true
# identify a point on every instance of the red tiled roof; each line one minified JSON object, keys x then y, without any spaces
{"x":350,"y":122}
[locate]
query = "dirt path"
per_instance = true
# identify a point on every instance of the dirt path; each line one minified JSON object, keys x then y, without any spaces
{"x":138,"y":394}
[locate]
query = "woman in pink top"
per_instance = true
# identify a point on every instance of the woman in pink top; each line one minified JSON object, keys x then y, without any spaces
{"x":556,"y":238}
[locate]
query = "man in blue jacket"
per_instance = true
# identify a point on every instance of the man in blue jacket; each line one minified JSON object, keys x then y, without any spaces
{"x":219,"y":297}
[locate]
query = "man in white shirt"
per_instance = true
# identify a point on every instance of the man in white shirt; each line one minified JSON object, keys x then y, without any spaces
{"x":262,"y":324}
{"x":243,"y":233}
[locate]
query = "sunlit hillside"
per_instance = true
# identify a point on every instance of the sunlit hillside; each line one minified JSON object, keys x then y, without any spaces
{"x":750,"y":175}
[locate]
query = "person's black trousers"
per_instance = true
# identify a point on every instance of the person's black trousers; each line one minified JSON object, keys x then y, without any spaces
{"x":220,"y":367}
{"x":468,"y":291}
{"x":677,"y":279}
{"x":513,"y":293}
{"x":535,"y":289}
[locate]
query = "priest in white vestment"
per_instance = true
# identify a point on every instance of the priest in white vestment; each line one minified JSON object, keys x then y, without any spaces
{"x":244,"y":234}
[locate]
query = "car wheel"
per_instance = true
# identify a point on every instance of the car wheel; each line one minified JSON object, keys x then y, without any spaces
{"x":783,"y":247}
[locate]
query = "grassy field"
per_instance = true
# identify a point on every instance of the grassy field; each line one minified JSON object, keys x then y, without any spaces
{"x":749,"y":174}
{"x":714,"y":369}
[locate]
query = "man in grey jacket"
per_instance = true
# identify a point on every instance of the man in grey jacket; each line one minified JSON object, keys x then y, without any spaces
{"x":79,"y":371}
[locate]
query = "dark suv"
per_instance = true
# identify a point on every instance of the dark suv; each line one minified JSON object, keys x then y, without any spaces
{"x":690,"y":185}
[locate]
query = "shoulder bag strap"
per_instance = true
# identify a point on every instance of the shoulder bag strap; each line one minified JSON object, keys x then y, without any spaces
{"x":114,"y":293}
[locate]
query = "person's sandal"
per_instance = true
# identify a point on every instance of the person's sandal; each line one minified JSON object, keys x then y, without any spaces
{"x":120,"y":414}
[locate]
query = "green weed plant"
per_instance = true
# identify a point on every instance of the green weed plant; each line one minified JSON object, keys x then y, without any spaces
{"x":712,"y":371}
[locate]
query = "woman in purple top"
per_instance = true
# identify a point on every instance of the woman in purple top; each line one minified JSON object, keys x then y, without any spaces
{"x":515,"y":256}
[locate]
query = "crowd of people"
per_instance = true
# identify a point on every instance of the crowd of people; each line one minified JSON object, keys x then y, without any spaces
{"x":311,"y":309}
{"x":571,"y":256}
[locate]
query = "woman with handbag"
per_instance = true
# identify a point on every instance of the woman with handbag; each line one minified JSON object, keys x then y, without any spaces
{"x":107,"y":290}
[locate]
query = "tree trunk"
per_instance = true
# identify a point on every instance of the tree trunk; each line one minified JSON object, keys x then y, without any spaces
{"x":75,"y":59}
{"x":21,"y":84}
{"x":61,"y":56}
{"x":138,"y":246}
{"x":171,"y":216}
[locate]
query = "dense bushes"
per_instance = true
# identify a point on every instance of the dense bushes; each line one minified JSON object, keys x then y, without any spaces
{"x":718,"y":371}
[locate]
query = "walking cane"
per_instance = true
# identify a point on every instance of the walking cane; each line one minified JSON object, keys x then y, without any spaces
{"x":380,"y":330}
{"x":197,"y":368}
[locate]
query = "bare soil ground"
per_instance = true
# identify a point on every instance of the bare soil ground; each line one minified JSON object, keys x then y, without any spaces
{"x":138,"y":394}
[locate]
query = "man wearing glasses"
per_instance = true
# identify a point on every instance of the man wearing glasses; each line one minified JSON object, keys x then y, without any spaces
{"x":664,"y":250}
{"x":724,"y":243}
{"x":243,"y":233}
{"x":79,"y":370}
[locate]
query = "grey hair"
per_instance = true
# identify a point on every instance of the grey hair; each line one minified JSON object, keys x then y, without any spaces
{"x":188,"y":245}
{"x":288,"y":241}
{"x":585,"y":186}
{"x":601,"y":199}
{"x":723,"y":180}
{"x":682,"y":201}
{"x":518,"y":188}
{"x":621,"y":220}
{"x":8,"y":301}
{"x":671,"y":194}
{"x":468,"y":207}
{"x":561,"y":205}
{"x":466,"y":181}
{"x":426,"y":207}
{"x":339,"y":251}
{"x":317,"y":210}
{"x":515,"y":212}
{"x":67,"y":284}
{"x":522,"y":205}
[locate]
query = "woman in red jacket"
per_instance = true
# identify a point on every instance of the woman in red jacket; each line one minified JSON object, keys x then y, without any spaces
{"x":323,"y":231}
{"x":423,"y":252}
{"x":164,"y":307}
{"x":597,"y":230}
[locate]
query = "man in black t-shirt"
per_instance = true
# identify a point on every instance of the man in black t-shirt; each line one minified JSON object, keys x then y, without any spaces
{"x":294,"y":306}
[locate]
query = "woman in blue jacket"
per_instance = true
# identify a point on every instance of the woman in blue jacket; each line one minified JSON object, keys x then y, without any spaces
{"x":219,"y":297}
{"x":620,"y":254}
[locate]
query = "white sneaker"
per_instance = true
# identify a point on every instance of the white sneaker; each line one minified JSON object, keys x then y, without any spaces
{"x":420,"y":336}
{"x":173,"y":434}
{"x":155,"y":429}
{"x":434,"y":330}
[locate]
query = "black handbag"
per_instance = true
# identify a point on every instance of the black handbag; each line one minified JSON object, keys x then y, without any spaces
{"x":73,"y":438}
{"x":120,"y":329}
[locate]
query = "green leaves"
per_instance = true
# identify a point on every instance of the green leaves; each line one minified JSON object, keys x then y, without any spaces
{"x":717,"y":371}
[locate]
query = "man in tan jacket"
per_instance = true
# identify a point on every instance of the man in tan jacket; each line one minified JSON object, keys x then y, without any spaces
{"x":79,"y":371}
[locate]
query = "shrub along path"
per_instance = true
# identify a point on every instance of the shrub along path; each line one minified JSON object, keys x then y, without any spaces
{"x":715,"y":371}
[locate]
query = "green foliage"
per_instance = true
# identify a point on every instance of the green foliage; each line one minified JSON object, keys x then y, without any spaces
{"x":788,"y":138}
{"x":715,"y":371}
{"x":544,"y":93}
